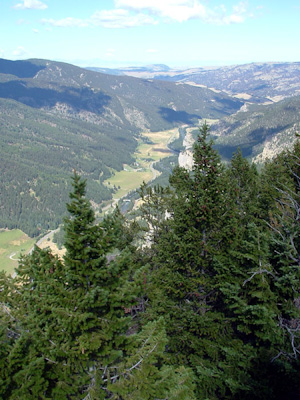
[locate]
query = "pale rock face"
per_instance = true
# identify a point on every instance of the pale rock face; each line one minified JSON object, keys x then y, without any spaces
{"x":185,"y":158}
{"x":275,"y":145}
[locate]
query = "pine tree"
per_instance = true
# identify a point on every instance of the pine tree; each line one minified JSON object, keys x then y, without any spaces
{"x":244,"y":187}
{"x":69,"y":315}
{"x":31,"y":303}
{"x":145,"y":374}
{"x":285,"y":250}
{"x":97,"y":291}
{"x":184,"y":284}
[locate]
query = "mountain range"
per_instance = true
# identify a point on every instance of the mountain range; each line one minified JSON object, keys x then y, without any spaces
{"x":269,"y":119}
{"x":255,"y":82}
{"x":260,"y":130}
{"x":109,"y":101}
{"x":57,"y":117}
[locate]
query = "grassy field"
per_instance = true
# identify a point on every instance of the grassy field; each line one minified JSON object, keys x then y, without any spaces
{"x":146,"y":154}
{"x":12,"y":245}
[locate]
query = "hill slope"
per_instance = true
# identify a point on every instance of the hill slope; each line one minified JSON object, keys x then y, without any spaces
{"x":39,"y":152}
{"x":261,"y":131}
{"x":111,"y":101}
{"x":55,"y":117}
{"x":256,"y":82}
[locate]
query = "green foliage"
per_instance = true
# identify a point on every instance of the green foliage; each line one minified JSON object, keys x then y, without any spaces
{"x":39,"y":152}
{"x":145,"y":376}
{"x":206,"y":308}
{"x":213,"y":279}
{"x":68,"y":315}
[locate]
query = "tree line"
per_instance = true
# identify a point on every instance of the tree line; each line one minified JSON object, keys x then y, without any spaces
{"x":198,"y":298}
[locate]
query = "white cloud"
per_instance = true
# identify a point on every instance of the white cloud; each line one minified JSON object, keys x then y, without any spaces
{"x":155,"y":4}
{"x":68,"y":22}
{"x":152,"y":51}
{"x":31,"y":5}
{"x":1,"y":53}
{"x":184,"y":10}
{"x":117,"y":18}
{"x":110,"y":52}
{"x":233,"y":19}
{"x":178,"y":10}
{"x":120,"y":18}
{"x":132,"y":13}
{"x":20,"y":52}
{"x":239,"y":14}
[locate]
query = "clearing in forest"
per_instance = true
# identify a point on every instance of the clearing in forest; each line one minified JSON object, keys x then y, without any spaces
{"x":12,"y":244}
{"x":152,"y":147}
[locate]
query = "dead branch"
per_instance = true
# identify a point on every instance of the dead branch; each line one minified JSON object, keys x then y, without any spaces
{"x":260,"y":271}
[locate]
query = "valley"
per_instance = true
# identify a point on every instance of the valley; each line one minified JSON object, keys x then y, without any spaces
{"x":152,"y":147}
{"x":56,"y":118}
{"x":112,"y":128}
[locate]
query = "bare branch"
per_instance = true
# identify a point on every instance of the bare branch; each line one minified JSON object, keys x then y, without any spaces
{"x":127,"y":371}
{"x":260,"y":271}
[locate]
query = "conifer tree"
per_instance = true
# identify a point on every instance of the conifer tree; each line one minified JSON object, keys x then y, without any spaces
{"x":97,"y":291}
{"x":31,"y":302}
{"x":285,"y":251}
{"x":184,"y":285}
{"x":70,"y":318}
{"x":244,"y":186}
{"x":145,"y":375}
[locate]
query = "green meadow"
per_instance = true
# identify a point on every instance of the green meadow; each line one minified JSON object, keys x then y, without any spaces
{"x":132,"y":176}
{"x":12,"y":244}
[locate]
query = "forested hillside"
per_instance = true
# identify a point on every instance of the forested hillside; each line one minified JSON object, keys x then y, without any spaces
{"x":56,"y":117}
{"x":261,"y":131}
{"x":110,"y":101}
{"x":197,"y":297}
{"x":39,"y":152}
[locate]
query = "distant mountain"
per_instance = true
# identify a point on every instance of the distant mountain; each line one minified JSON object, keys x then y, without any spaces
{"x":108,"y":71}
{"x":113,"y":102}
{"x":148,"y":69}
{"x":256,"y":82}
{"x":55,"y":117}
{"x":261,"y":131}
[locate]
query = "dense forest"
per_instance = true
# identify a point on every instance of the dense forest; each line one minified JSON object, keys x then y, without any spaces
{"x":196,"y":297}
{"x":39,"y":152}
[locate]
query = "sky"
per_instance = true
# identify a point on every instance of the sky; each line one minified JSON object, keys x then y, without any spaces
{"x":178,"y":33}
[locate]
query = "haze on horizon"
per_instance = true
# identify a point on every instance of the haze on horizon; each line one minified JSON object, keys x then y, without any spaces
{"x":178,"y":33}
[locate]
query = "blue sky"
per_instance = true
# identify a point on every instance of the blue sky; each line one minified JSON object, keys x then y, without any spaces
{"x":179,"y":33}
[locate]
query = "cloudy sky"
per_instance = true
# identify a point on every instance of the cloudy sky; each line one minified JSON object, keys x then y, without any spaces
{"x":178,"y":33}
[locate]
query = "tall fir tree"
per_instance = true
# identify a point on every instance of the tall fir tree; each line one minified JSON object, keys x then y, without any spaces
{"x":69,"y":315}
{"x":184,"y":285}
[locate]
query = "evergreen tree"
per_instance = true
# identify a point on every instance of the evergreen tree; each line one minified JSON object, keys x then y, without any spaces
{"x":97,"y":291}
{"x":70,"y":318}
{"x":285,"y":251}
{"x":244,"y":187}
{"x":184,"y":284}
{"x":145,"y":375}
{"x":31,"y":302}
